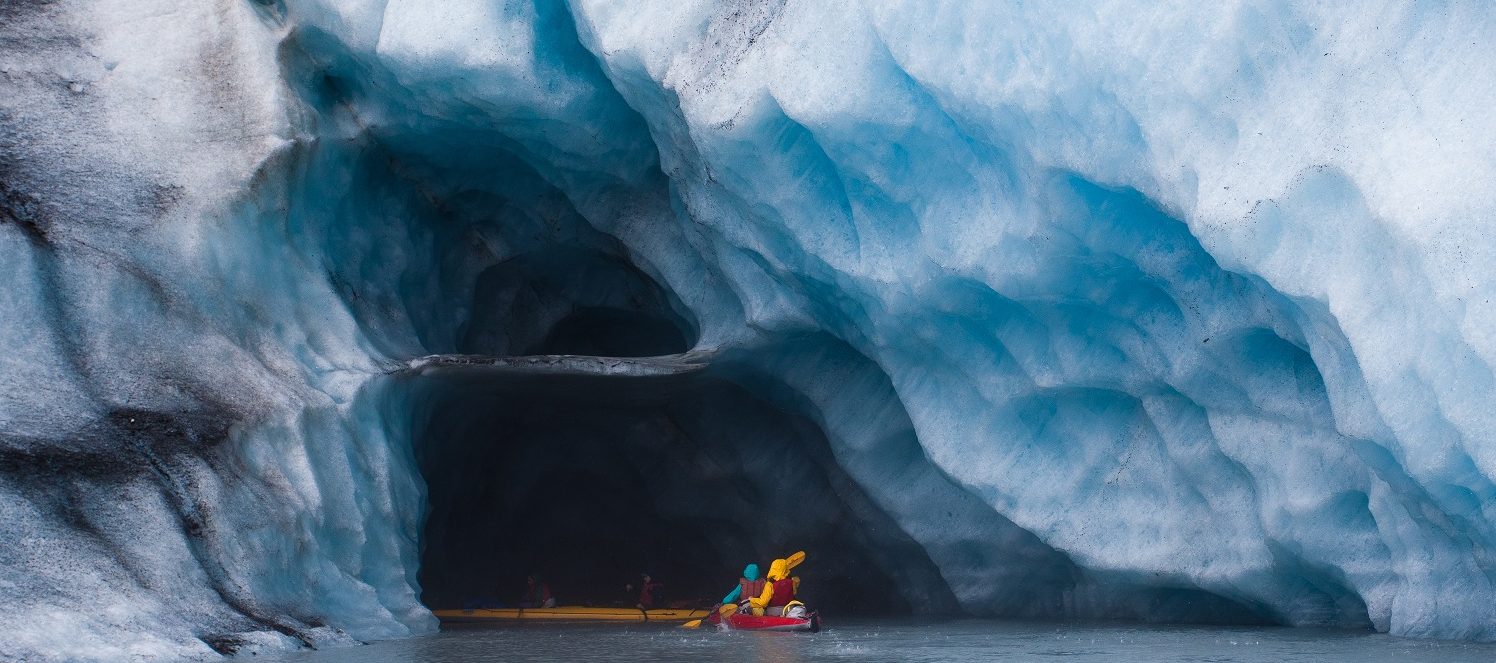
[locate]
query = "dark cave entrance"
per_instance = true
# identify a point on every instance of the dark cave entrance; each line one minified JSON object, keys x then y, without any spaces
{"x":538,"y":463}
{"x":591,"y":480}
{"x":573,"y":300}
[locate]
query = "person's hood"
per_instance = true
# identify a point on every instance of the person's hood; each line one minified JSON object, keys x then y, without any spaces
{"x":779,"y":570}
{"x":751,"y":572}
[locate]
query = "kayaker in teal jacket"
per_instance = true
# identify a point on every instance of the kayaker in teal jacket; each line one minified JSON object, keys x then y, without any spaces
{"x":748,"y":586}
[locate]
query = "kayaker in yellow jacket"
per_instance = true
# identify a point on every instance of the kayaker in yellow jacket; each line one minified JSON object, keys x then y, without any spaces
{"x":779,"y":590}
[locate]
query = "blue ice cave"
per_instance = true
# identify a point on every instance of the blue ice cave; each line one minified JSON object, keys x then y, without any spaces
{"x":1169,"y":313}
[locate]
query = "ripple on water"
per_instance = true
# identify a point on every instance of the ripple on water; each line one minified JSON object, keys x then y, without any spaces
{"x":908,"y":640}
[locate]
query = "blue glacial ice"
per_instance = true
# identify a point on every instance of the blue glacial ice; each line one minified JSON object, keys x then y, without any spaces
{"x":1161,"y":313}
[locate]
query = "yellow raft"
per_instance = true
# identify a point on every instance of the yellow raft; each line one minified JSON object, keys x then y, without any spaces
{"x":571,"y":613}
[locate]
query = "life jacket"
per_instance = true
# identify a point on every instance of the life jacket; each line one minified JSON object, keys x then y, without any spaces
{"x":749,"y":588}
{"x":784,"y":592}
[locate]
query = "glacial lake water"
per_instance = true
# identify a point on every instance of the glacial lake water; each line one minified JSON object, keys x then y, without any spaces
{"x":900,"y":640}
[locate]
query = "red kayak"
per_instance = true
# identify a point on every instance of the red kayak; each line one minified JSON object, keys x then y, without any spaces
{"x":741,"y":622}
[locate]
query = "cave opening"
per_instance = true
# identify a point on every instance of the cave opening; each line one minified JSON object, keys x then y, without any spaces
{"x":537,"y":464}
{"x":590,"y":480}
{"x":574,"y":300}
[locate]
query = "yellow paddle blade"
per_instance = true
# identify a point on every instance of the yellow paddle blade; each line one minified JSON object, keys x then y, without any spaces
{"x":691,"y":624}
{"x":794,"y":560}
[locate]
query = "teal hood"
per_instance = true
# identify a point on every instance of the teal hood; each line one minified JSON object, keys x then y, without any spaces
{"x":751,"y":572}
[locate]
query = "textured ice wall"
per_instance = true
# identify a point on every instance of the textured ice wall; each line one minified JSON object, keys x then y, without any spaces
{"x":188,"y":460}
{"x":1199,"y":299}
{"x":1147,"y":303}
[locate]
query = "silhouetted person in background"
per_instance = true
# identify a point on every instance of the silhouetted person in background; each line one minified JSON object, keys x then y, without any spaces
{"x":537,"y":593}
{"x":649,"y":592}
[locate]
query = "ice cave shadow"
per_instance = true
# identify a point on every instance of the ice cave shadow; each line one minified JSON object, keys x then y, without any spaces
{"x":591,"y":480}
{"x":571,"y":299}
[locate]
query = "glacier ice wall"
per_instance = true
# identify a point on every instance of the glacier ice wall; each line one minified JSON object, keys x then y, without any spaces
{"x":1155,"y":313}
